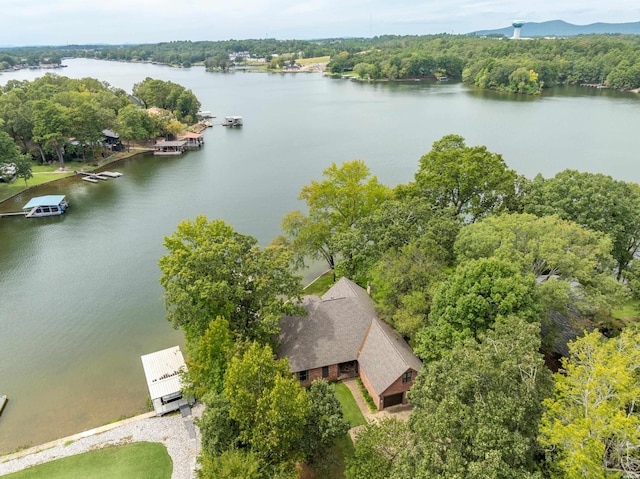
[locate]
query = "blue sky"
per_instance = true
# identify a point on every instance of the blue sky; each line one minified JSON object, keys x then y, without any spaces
{"x":62,"y":22}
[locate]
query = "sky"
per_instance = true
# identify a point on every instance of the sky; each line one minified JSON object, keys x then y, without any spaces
{"x":66,"y":22}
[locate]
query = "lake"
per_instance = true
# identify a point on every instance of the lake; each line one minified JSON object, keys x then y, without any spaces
{"x":80,"y":299}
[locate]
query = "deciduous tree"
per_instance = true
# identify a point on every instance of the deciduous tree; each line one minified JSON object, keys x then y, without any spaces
{"x":549,"y":248}
{"x":347,"y":194}
{"x":476,"y":410}
{"x":595,"y":201}
{"x":591,"y":426}
{"x":210,"y":270}
{"x":472,"y":180}
{"x":479,"y":294}
{"x":268,"y":404}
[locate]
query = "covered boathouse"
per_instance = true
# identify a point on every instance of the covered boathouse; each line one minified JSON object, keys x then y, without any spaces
{"x":162,"y":370}
{"x":50,"y":205}
{"x":169,"y":148}
{"x":193,"y":140}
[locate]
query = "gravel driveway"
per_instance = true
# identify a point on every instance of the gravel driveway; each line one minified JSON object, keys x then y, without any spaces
{"x":178,"y":434}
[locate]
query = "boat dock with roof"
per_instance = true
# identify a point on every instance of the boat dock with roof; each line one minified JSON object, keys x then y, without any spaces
{"x":50,"y":205}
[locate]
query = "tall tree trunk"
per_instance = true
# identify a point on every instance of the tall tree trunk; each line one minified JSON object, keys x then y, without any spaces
{"x":41,"y":153}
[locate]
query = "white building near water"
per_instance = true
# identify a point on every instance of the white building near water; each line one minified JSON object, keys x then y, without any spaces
{"x":162,"y":370}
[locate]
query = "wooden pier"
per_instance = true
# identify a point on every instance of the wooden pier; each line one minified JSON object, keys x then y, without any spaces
{"x":15,"y":213}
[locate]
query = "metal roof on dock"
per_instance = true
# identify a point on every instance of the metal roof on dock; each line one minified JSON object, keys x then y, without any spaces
{"x":162,"y":370}
{"x":49,"y":200}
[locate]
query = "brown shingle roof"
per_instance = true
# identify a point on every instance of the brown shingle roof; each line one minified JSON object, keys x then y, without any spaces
{"x":385,"y":356}
{"x":342,"y":326}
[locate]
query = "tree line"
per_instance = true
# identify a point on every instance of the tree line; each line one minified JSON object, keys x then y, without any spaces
{"x":524,"y":67}
{"x":473,"y":264}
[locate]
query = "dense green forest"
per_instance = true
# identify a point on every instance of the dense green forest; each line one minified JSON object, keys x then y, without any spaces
{"x":524,"y":66}
{"x":496,"y":280}
{"x":55,"y":118}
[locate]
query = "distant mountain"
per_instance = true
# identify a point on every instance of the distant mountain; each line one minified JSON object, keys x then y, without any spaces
{"x":560,"y":28}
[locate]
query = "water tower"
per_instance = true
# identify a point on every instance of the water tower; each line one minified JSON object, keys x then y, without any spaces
{"x":517,"y":25}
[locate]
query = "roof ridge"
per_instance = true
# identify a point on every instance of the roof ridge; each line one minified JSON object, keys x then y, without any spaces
{"x":390,"y":340}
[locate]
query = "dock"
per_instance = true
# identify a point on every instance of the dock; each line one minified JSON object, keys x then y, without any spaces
{"x":15,"y":213}
{"x":111,"y":174}
{"x":96,"y":177}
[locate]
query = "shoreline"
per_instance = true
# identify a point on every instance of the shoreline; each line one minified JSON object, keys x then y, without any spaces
{"x":70,"y":174}
{"x":178,"y":434}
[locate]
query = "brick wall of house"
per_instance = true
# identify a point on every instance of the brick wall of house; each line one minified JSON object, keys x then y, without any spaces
{"x":317,"y":374}
{"x":372,"y":393}
{"x":398,"y":386}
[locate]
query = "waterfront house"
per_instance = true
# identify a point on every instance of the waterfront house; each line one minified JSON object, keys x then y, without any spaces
{"x":342,"y":337}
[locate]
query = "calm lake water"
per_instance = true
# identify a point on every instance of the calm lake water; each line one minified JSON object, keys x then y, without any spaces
{"x":79,"y":295}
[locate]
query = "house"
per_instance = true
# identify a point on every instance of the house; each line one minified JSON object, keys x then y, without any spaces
{"x":111,"y":140}
{"x":342,"y":337}
{"x":162,"y":370}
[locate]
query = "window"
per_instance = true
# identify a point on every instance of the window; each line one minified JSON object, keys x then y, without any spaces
{"x":406,"y":377}
{"x":325,"y":371}
{"x":303,"y":376}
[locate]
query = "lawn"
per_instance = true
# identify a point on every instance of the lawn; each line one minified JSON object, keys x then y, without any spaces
{"x":311,"y":61}
{"x":350,"y":409}
{"x":321,"y":285}
{"x":630,"y":309}
{"x":141,"y":460}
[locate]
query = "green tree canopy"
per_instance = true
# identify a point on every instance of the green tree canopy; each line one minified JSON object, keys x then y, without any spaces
{"x":210,"y":270}
{"x":476,"y":411}
{"x":472,"y":180}
{"x":378,"y":447}
{"x":392,"y":226}
{"x":479,"y":294}
{"x":591,"y":426}
{"x":404,"y":281}
{"x":208,"y":358}
{"x":325,"y":423}
{"x":268,"y":404}
{"x":595,"y":201}
{"x":552,"y":250}
{"x":347,"y":194}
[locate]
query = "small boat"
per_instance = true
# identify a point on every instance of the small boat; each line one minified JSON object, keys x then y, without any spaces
{"x":40,"y":206}
{"x":232,"y":121}
{"x":3,"y":401}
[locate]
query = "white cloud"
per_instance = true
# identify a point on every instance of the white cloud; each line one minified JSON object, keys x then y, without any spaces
{"x":150,"y":21}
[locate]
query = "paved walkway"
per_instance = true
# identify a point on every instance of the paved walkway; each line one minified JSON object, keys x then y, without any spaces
{"x":399,"y":412}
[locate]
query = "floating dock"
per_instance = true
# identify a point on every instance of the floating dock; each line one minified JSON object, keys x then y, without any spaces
{"x":111,"y":174}
{"x":95,"y":177}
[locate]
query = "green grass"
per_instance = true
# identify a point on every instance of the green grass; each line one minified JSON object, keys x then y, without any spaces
{"x":310,"y":61}
{"x":320,"y":285}
{"x":332,"y":464}
{"x":350,"y":409}
{"x":630,"y":309}
{"x":140,"y":460}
